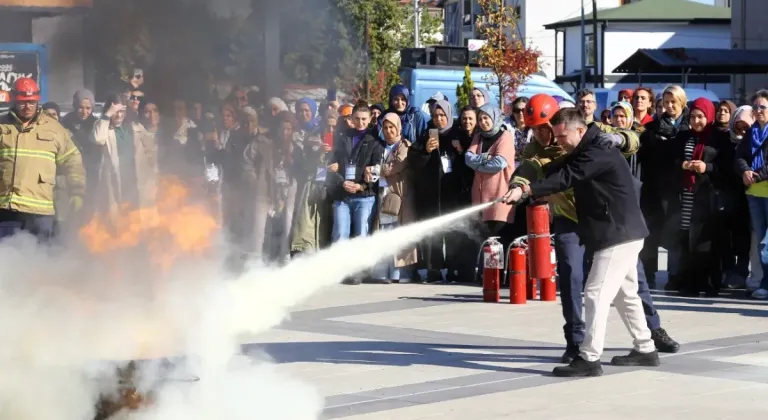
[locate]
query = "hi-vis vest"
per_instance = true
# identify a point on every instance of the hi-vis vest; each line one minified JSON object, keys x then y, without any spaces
{"x":30,"y":159}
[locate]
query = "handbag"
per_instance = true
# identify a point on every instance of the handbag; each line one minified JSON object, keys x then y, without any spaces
{"x":391,"y":204}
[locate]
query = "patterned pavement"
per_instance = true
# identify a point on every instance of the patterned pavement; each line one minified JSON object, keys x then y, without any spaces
{"x":410,"y":351}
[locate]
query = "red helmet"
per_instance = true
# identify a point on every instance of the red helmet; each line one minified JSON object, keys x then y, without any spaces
{"x":540,"y":109}
{"x":26,"y":89}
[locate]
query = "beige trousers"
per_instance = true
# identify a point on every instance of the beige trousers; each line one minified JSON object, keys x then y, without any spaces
{"x":613,"y":279}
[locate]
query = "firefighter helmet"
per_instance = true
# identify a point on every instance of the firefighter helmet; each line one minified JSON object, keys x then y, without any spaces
{"x":26,"y":89}
{"x":540,"y":109}
{"x":345,"y":110}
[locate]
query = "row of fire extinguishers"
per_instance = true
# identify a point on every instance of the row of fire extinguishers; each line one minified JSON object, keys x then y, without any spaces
{"x":530,"y":267}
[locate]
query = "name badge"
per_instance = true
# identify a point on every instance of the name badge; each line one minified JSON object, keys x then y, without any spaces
{"x":281,"y":177}
{"x":320,"y":174}
{"x":351,"y":173}
{"x":447,"y":164}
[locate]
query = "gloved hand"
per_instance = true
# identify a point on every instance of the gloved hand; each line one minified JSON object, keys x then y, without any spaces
{"x":612,"y":139}
{"x":75,"y":203}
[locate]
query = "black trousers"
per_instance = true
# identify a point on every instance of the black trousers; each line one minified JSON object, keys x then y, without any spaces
{"x":699,"y":271}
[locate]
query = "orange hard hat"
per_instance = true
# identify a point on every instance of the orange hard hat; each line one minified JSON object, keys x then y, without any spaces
{"x":540,"y":109}
{"x":26,"y":89}
{"x":345,"y":110}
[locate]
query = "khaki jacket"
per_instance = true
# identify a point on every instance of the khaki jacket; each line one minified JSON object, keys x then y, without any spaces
{"x":394,"y":170}
{"x":30,"y":159}
{"x":108,"y":194}
{"x":536,"y":157}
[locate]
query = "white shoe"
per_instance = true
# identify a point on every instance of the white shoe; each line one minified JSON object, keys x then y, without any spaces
{"x":760,"y":294}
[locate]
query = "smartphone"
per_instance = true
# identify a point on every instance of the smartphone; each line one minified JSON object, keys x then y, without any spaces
{"x":434,"y":133}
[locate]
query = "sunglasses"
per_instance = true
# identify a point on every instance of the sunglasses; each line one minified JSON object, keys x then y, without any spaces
{"x":518,"y":110}
{"x":136,"y":97}
{"x":760,"y":107}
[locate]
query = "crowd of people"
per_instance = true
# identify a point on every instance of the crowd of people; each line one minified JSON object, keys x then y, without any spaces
{"x":292,"y":181}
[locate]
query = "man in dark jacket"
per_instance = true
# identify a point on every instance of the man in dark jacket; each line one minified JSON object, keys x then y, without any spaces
{"x":611,"y":226}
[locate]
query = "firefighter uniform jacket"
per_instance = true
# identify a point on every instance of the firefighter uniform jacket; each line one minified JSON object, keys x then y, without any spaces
{"x":30,"y":159}
{"x":536,"y":157}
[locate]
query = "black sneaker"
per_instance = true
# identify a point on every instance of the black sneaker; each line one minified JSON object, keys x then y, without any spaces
{"x":579,"y":368}
{"x":664,"y":343}
{"x":635,"y":358}
{"x":570,"y":353}
{"x":352,"y":281}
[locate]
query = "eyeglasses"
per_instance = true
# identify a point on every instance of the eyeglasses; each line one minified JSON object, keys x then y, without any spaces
{"x":586,"y":102}
{"x":518,"y":110}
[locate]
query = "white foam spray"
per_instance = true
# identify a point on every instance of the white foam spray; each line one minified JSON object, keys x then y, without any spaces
{"x":66,"y":325}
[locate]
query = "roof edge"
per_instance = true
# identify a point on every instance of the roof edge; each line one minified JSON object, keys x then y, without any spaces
{"x":587,"y":22}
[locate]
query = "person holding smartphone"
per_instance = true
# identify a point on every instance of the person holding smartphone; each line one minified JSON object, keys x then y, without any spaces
{"x":436,"y":163}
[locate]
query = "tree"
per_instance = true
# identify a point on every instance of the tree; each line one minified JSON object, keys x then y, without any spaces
{"x":464,"y":90}
{"x":390,"y":29}
{"x":510,"y":60}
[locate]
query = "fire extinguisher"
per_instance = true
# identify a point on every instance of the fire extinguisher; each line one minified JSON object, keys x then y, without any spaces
{"x":517,"y":260}
{"x":493,"y":263}
{"x":540,"y":249}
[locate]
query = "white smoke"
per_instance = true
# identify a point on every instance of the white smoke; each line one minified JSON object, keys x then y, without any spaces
{"x":68,"y":320}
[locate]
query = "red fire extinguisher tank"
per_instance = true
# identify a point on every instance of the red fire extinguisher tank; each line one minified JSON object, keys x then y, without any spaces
{"x":540,"y":249}
{"x":517,"y":274}
{"x":493,"y":263}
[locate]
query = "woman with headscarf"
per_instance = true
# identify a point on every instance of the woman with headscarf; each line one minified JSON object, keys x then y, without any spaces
{"x":492,"y":156}
{"x":395,"y":199}
{"x":738,"y":237}
{"x":413,"y":121}
{"x":696,"y":154}
{"x":306,"y":116}
{"x":479,"y":97}
{"x":723,"y":115}
{"x":313,"y":209}
{"x":435,"y":164}
{"x":259,"y":192}
{"x":285,"y":158}
{"x":622,"y":116}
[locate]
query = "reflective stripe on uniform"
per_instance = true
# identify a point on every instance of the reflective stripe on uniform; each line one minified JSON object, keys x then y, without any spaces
{"x":66,"y":155}
{"x":28,"y":153}
{"x":31,"y":202}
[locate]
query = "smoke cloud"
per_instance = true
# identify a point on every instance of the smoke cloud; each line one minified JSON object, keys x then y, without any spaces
{"x":70,"y":319}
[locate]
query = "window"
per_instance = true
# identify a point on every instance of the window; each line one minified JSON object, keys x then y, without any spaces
{"x":589,"y":41}
{"x":467,"y":13}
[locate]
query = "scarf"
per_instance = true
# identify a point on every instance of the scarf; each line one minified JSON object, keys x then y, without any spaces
{"x":448,"y":109}
{"x":494,"y":112}
{"x":759,"y":135}
{"x":627,"y":108}
{"x":742,"y":113}
{"x":313,"y":123}
{"x":702,"y":137}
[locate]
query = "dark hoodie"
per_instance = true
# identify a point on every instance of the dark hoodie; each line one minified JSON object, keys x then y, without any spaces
{"x":413,"y":121}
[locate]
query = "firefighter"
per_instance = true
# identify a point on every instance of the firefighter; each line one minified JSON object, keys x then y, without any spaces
{"x":34,"y":148}
{"x":539,"y":157}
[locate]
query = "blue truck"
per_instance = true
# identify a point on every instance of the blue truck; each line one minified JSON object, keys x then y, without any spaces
{"x":425,"y":81}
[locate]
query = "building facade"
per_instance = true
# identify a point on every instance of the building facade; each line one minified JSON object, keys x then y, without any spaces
{"x":461,"y":16}
{"x":748,"y":31}
{"x":648,"y":24}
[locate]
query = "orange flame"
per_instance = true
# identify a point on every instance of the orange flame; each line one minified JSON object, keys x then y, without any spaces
{"x":172,"y":229}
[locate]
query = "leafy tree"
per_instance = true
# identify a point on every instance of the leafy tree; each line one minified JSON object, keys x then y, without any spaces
{"x":390,"y":29}
{"x":510,"y":60}
{"x":464,"y":90}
